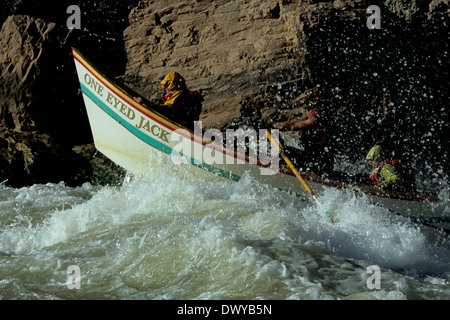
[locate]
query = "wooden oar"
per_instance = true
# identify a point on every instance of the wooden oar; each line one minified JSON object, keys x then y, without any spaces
{"x":289,"y":163}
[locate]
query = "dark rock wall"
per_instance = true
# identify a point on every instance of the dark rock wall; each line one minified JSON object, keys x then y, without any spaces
{"x":254,"y":60}
{"x":393,"y":83}
{"x":39,"y":91}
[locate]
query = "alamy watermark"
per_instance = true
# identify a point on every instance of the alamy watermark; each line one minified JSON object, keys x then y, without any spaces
{"x":374,"y":20}
{"x":251,"y":146}
{"x":74,"y":21}
{"x":374,"y":281}
{"x":74,"y":279}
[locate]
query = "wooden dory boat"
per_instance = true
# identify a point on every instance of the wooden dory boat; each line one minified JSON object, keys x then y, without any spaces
{"x":135,"y":136}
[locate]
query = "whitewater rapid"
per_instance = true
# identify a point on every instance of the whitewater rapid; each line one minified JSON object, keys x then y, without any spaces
{"x":175,"y":236}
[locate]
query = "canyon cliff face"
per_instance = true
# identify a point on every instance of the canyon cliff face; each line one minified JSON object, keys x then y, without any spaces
{"x":255,"y":62}
{"x":42,"y":115}
{"x":258,"y":62}
{"x":224,"y":48}
{"x":30,"y":75}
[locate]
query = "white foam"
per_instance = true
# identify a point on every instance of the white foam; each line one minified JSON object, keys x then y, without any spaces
{"x":172,"y":238}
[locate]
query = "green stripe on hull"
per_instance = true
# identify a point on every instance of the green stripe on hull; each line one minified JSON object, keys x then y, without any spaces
{"x":152,"y":142}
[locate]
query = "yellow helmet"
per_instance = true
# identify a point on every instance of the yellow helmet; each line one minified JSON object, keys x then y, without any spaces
{"x":376,"y":154}
{"x":173,"y":81}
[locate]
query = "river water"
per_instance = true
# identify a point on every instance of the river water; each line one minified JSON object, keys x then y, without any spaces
{"x":178,"y":236}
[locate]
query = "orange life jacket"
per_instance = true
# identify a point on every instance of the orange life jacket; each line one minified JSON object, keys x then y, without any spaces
{"x":185,"y":106}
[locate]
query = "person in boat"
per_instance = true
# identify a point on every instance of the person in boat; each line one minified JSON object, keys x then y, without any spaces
{"x":312,"y":153}
{"x":385,"y":173}
{"x":179,"y":104}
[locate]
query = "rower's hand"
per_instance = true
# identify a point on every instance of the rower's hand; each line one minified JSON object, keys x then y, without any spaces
{"x":312,"y":114}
